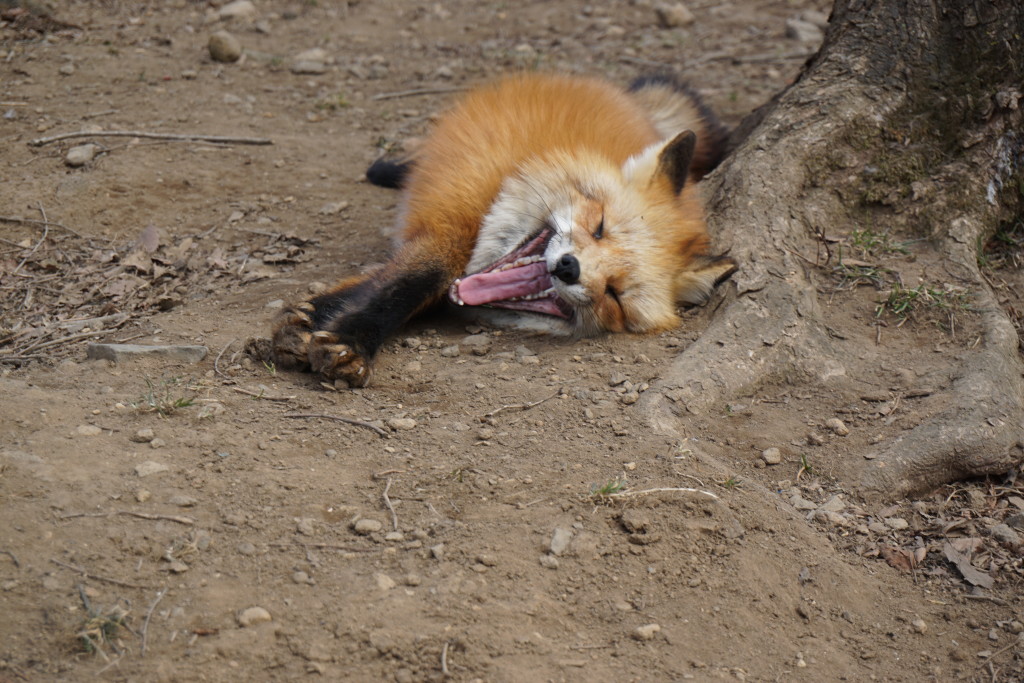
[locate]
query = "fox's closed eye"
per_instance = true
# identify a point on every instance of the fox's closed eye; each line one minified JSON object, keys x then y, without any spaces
{"x":599,"y":233}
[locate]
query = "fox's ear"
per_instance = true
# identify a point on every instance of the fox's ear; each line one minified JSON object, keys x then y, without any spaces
{"x":675,"y":159}
{"x":665,"y":163}
{"x":695,"y":286}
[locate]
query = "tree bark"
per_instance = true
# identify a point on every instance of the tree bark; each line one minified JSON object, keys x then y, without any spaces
{"x":925,"y":88}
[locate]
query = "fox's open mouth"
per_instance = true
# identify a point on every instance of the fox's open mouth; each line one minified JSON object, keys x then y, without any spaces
{"x":519,"y":280}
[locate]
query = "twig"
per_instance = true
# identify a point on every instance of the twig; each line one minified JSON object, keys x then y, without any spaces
{"x":97,"y":114}
{"x":149,"y":613}
{"x":46,"y":233}
{"x":216,"y":360}
{"x":39,"y":142}
{"x":61,"y":340}
{"x":381,"y":475}
{"x":96,"y":577}
{"x":444,"y":660}
{"x":322,"y":546}
{"x":263,"y":396}
{"x":414,"y":92}
{"x":187,"y":521}
{"x":628,"y":494}
{"x":13,"y":557}
{"x":1020,"y":639}
{"x":390,"y":507}
{"x":346,"y":420}
{"x":521,"y":406}
{"x":987,"y":598}
{"x":30,"y":221}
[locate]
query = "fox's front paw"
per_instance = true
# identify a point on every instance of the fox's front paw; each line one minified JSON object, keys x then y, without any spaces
{"x":335,"y":360}
{"x":292,"y":331}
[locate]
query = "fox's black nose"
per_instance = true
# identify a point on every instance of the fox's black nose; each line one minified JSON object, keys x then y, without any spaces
{"x":568,"y":269}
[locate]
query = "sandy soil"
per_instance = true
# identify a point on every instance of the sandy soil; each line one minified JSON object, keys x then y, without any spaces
{"x":459,"y":532}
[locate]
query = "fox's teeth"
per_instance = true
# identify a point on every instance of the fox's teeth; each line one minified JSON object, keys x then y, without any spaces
{"x":453,"y":292}
{"x":533,"y":297}
{"x":519,"y":262}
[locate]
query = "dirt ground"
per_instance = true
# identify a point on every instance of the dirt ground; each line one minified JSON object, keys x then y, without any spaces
{"x":491,"y":511}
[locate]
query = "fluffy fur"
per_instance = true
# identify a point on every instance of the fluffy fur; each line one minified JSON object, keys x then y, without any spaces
{"x":567,"y":200}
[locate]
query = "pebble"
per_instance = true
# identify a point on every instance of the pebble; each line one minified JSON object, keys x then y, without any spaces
{"x":142,"y":495}
{"x":437,"y":551}
{"x":394,"y":536}
{"x":524,"y":352}
{"x":771,"y":456}
{"x":384,"y":582}
{"x":804,"y":31}
{"x":239,"y":9}
{"x":366,"y":526}
{"x":88,"y":430}
{"x":224,"y":47}
{"x":309,"y":68}
{"x":837,"y":426}
{"x":149,"y":467}
{"x":549,"y":561}
{"x":616,"y":378}
{"x":183,"y":501}
{"x":877,"y":528}
{"x":560,"y":540}
{"x":1004,"y":534}
{"x":316,"y":54}
{"x":80,"y":155}
{"x":402,"y":424}
{"x":834,"y":504}
{"x":919,"y":626}
{"x":332,"y":209}
{"x":801,"y":503}
{"x":157,"y":443}
{"x":302,"y":577}
{"x":630,"y":398}
{"x":896,"y":523}
{"x":674,"y":15}
{"x":67,"y":70}
{"x":306,"y":526}
{"x":450,"y":351}
{"x":252,"y":616}
{"x":815,"y":439}
{"x":478,"y":344}
{"x":412,"y":342}
{"x":646,"y":632}
{"x":120,"y":352}
{"x":189,"y":74}
{"x":143,"y":436}
{"x":246,"y":548}
{"x":178,"y":567}
{"x":487,"y":560}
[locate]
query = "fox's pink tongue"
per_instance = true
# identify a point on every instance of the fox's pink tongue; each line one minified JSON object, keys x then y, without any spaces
{"x":485,"y":288}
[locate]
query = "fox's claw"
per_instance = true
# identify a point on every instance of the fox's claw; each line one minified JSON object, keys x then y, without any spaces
{"x":336,"y":361}
{"x":292,"y":331}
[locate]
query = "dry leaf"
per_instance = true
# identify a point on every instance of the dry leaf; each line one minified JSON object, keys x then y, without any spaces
{"x":962,"y":562}
{"x":898,"y":558}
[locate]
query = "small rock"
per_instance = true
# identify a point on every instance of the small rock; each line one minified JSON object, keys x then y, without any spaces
{"x":834,"y":504}
{"x":412,"y":580}
{"x":919,"y":626}
{"x":67,"y":69}
{"x":224,"y":47}
{"x":771,"y":456}
{"x":487,"y":560}
{"x":478,"y":344}
{"x":412,"y":342}
{"x":560,"y":540}
{"x":413,"y":366}
{"x":365,"y":527}
{"x":896,"y":523}
{"x":524,"y":352}
{"x":402,"y":424}
{"x":149,"y":467}
{"x":183,"y":501}
{"x":302,"y":577}
{"x":801,"y":503}
{"x":333,"y":209}
{"x":630,"y":398}
{"x":837,"y":426}
{"x":88,"y":430}
{"x":549,"y":561}
{"x":450,"y":351}
{"x":189,"y":74}
{"x":384,"y":582}
{"x":252,"y":616}
{"x":246,"y":548}
{"x":616,"y":378}
{"x":437,"y":551}
{"x":306,"y":526}
{"x":646,"y":632}
{"x":674,"y":16}
{"x":143,"y":436}
{"x":394,"y":536}
{"x":121,"y":352}
{"x":877,"y":528}
{"x":142,"y":495}
{"x":157,"y":443}
{"x":80,"y":155}
{"x":239,"y":9}
{"x":309,"y":68}
{"x":815,"y":439}
{"x":316,"y":54}
{"x":804,"y":31}
{"x":1004,"y":534}
{"x":178,"y":567}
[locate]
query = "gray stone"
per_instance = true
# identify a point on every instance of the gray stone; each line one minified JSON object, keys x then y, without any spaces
{"x":478,"y":344}
{"x":121,"y":352}
{"x":674,"y":16}
{"x":183,"y":501}
{"x":365,"y":527}
{"x":309,"y":68}
{"x":646,"y":632}
{"x":896,"y":523}
{"x":549,"y":561}
{"x":239,"y":9}
{"x":149,"y":468}
{"x":1004,"y":534}
{"x":450,"y":351}
{"x":143,"y":436}
{"x":252,"y":616}
{"x":224,"y":47}
{"x":80,"y":155}
{"x":771,"y":456}
{"x":402,"y":424}
{"x":560,"y":540}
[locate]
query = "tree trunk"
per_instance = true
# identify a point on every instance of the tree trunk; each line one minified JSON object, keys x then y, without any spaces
{"x":910,"y":111}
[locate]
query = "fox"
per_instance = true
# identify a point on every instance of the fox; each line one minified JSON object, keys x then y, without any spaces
{"x":553,"y":202}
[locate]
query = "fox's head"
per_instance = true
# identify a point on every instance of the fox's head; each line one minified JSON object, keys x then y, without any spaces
{"x":594,"y":247}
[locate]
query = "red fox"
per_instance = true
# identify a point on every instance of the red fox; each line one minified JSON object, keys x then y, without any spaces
{"x":566,"y":200}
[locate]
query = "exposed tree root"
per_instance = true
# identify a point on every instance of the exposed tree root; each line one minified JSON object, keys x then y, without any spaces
{"x":771,"y":327}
